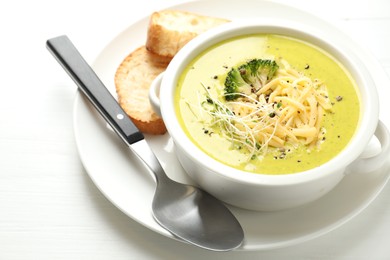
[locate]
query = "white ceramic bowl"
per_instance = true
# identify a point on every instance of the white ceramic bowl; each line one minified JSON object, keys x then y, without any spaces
{"x":261,"y":191}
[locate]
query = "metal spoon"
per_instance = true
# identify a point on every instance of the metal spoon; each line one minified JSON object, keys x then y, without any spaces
{"x":186,"y":211}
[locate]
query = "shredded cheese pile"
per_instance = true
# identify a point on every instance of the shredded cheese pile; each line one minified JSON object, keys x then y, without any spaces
{"x":286,"y":112}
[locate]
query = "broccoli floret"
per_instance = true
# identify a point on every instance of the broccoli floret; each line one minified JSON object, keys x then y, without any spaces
{"x":258,"y":72}
{"x":249,"y":77}
{"x":233,"y":84}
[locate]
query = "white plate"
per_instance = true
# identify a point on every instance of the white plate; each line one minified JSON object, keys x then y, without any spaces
{"x":127,"y":184}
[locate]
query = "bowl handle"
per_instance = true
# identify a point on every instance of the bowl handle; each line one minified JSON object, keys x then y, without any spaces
{"x":377,"y":161}
{"x":154,"y":94}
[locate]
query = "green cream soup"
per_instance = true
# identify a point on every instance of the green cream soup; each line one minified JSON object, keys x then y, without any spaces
{"x":207,"y":73}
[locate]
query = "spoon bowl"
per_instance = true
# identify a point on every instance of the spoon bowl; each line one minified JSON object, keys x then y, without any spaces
{"x":188,"y":212}
{"x":195,"y":205}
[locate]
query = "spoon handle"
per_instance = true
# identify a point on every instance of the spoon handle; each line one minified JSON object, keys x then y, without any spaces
{"x":78,"y":69}
{"x":90,"y":84}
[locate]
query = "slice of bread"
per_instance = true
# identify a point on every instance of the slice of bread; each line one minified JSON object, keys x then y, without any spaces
{"x":170,"y":30}
{"x":132,"y":81}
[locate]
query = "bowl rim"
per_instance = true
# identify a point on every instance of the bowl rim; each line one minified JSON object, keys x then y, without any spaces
{"x":339,"y":48}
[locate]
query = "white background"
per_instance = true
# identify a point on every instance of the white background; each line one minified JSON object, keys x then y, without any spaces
{"x":50,"y":209}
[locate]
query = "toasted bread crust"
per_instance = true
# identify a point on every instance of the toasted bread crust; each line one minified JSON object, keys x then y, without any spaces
{"x":170,"y":30}
{"x":132,"y":81}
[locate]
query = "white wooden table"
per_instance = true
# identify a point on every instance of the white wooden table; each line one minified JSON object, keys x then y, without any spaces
{"x":49,"y":207}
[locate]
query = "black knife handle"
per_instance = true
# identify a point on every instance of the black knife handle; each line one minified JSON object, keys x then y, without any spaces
{"x":87,"y":80}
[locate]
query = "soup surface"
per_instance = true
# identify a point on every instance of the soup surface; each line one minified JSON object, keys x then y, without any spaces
{"x":205,"y":77}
